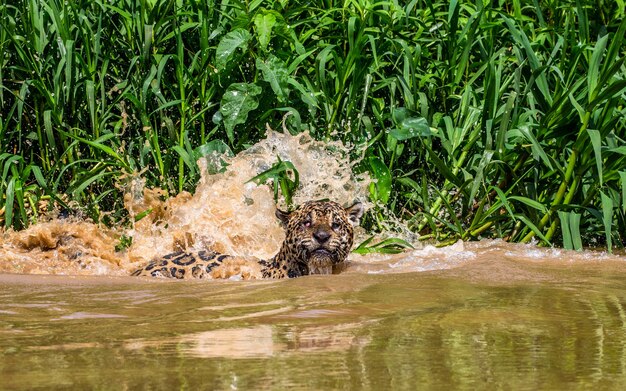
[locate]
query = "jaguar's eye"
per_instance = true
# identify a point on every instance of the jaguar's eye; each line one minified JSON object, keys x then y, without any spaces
{"x":307,"y":223}
{"x":335,"y":226}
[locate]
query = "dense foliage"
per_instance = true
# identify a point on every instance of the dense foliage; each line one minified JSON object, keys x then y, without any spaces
{"x":484,"y":118}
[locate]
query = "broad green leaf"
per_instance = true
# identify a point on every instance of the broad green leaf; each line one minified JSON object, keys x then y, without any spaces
{"x":399,"y":114}
{"x":532,"y":203}
{"x":570,"y":229}
{"x":364,"y":243}
{"x":593,"y":74}
{"x":615,"y":88}
{"x":213,"y":152}
{"x":521,"y":38}
{"x":275,"y":73}
{"x":579,"y":109}
{"x":89,"y":180}
{"x":292,"y":120}
{"x":148,"y":36}
{"x":213,"y":147}
{"x":565,"y":230}
{"x":406,"y":181}
{"x":47,"y":122}
{"x":183,"y":27}
{"x":189,"y":161}
{"x":411,"y":127}
{"x":607,"y":219}
{"x":452,"y":10}
{"x":504,"y":124}
{"x":19,"y":197}
{"x":279,"y":168}
{"x":479,"y":174}
{"x":99,"y":144}
{"x":146,"y":85}
{"x":381,"y":190}
{"x":254,"y":4}
{"x":305,"y":95}
{"x":264,"y":22}
{"x":583,"y":22}
{"x":280,"y":173}
{"x":503,"y":201}
{"x":538,"y":152}
{"x":123,"y":13}
{"x":238,"y":100}
{"x":166,"y":105}
{"x":622,"y":176}
{"x":387,"y":246}
{"x":8,"y":205}
{"x":143,"y":214}
{"x":228,"y":45}
{"x":39,"y":177}
{"x":574,"y":225}
{"x":616,"y":47}
{"x":298,"y":60}
{"x":10,"y":164}
{"x":91,"y":100}
{"x":594,"y":135}
{"x":621,"y":150}
{"x":325,"y":56}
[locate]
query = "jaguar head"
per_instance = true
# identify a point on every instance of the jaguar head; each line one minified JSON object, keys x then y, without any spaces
{"x":319,"y":234}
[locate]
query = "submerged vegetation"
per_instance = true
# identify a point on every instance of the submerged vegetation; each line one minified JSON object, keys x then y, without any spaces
{"x":501,"y":118}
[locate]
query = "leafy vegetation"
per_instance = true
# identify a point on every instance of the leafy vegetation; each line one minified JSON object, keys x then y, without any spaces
{"x":280,"y":174}
{"x":479,"y":119}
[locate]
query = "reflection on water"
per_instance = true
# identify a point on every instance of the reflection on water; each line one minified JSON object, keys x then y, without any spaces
{"x":493,"y":322}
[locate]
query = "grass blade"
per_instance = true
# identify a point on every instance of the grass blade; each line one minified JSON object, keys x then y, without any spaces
{"x":607,"y":219}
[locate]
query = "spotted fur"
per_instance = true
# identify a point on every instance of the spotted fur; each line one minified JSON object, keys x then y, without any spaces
{"x":319,"y":236}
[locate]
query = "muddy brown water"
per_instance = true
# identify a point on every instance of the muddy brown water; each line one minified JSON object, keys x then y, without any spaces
{"x":507,"y":317}
{"x":485,"y":315}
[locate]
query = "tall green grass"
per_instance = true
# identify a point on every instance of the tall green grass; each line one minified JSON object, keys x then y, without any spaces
{"x":479,"y":119}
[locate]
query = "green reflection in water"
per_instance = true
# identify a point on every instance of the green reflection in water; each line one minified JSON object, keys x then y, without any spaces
{"x":402,"y":331}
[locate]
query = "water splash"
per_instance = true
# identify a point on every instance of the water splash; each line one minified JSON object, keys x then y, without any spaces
{"x":61,"y":247}
{"x":231,"y":215}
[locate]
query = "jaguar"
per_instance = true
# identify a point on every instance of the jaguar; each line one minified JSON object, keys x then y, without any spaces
{"x":318,"y":237}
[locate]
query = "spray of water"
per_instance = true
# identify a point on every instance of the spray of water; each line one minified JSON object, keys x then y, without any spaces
{"x":232,"y":215}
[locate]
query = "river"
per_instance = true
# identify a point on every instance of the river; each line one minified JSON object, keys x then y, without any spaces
{"x":509,"y":317}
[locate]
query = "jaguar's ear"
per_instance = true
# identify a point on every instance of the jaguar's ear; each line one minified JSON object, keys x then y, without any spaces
{"x":355,"y":212}
{"x":283,"y":216}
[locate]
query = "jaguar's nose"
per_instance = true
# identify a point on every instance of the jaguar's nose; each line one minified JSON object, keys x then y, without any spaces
{"x":321,"y":236}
